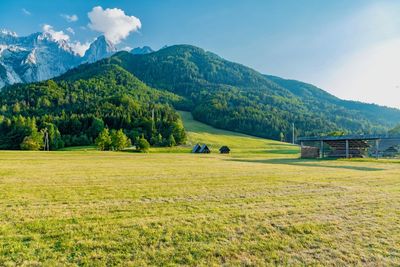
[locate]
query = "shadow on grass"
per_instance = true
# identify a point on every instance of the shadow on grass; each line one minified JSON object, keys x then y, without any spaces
{"x":306,"y":163}
{"x":282,"y":151}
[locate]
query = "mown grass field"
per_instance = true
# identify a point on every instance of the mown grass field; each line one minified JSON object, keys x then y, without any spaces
{"x":258,"y":206}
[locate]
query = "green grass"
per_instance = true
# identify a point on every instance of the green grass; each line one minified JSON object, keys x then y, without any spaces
{"x":255,"y":207}
{"x":215,"y":138}
{"x":79,"y":148}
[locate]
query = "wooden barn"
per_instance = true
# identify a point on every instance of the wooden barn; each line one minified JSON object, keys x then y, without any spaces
{"x":224,"y":150}
{"x":340,"y":146}
{"x":351,"y":146}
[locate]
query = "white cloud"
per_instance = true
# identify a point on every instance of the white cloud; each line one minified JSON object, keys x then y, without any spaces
{"x":70,"y":18}
{"x":113,"y":23}
{"x":26,"y":12}
{"x":55,"y":35}
{"x":76,"y":46}
{"x":70,"y":30}
{"x":127,"y":48}
{"x":80,"y":48}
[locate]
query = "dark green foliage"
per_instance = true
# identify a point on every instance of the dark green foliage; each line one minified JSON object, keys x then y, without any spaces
{"x":157,"y":140}
{"x":170,"y":141}
{"x":55,"y":140}
{"x":231,"y":96}
{"x":78,"y":106}
{"x":336,"y":133}
{"x":96,"y":128}
{"x":142,"y":145}
{"x":13,"y":131}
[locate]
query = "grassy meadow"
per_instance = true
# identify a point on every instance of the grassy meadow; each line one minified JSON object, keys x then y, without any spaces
{"x":258,"y":206}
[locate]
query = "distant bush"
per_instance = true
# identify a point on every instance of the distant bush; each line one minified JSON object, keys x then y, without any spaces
{"x":143,"y":145}
{"x":116,"y":140}
{"x":33,"y":141}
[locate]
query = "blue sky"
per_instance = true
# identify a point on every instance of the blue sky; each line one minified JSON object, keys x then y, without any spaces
{"x":349,"y":48}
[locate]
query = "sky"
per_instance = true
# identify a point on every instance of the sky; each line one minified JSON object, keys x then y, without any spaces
{"x":348,"y":48}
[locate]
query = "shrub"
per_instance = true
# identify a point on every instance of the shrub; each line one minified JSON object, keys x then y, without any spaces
{"x":33,"y":141}
{"x":103,"y":141}
{"x":143,"y":145}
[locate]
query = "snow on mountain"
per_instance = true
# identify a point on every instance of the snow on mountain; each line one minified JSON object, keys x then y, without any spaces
{"x":41,"y":56}
{"x":8,"y":33}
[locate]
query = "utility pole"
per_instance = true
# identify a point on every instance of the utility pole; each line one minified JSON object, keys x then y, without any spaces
{"x":293,"y":137}
{"x":153,"y":123}
{"x":46,"y":141}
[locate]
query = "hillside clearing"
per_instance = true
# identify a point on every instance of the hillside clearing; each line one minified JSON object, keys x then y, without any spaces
{"x":240,"y":144}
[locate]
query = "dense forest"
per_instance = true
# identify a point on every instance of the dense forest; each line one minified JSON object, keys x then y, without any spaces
{"x":74,"y":111}
{"x":231,"y":96}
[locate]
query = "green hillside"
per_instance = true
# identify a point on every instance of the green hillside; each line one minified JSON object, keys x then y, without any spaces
{"x":318,"y":99}
{"x":198,"y":132}
{"x":234,"y":97}
{"x":74,"y":109}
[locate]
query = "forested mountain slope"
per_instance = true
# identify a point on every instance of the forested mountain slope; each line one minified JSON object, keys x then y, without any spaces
{"x":234,"y":97}
{"x":316,"y":97}
{"x":76,"y":109}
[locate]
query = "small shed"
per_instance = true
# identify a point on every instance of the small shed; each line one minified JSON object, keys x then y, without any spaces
{"x":224,"y":150}
{"x":204,"y":149}
{"x":196,"y":148}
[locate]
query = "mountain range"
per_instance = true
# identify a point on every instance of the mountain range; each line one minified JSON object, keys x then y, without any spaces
{"x":41,"y":56}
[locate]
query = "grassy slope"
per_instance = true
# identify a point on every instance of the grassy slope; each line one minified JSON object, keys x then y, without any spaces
{"x":198,"y":132}
{"x":109,"y":208}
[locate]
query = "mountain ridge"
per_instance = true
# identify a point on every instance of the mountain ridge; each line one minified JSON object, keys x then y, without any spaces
{"x":231,"y":96}
{"x":41,"y":56}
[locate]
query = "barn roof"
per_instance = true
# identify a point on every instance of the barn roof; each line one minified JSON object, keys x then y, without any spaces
{"x":343,"y":137}
{"x":196,"y":148}
{"x":204,"y":148}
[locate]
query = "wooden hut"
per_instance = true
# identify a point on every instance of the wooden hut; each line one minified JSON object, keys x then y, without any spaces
{"x":224,"y":150}
{"x":196,"y":148}
{"x":201,"y":149}
{"x":204,"y":149}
